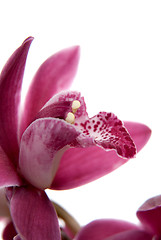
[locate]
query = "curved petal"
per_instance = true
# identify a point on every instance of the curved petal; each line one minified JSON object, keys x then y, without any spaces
{"x":41,"y":149}
{"x":9,"y":176}
{"x":33,"y":214}
{"x":10,"y":86}
{"x":139,"y":132}
{"x":103,"y":228}
{"x":9,"y":232}
{"x":150,"y":214}
{"x":82,"y":165}
{"x":108,"y":132}
{"x":60,"y":104}
{"x":54,"y":75}
{"x":131,"y":235}
{"x":104,"y":129}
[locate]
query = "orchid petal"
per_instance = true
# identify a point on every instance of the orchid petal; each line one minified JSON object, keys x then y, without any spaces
{"x":131,"y":235}
{"x":33,"y":214}
{"x":139,"y":132}
{"x":103,"y":228}
{"x":9,"y":232}
{"x":108,"y":132}
{"x":9,"y":176}
{"x":41,"y":148}
{"x":150,"y":214}
{"x":54,"y":75}
{"x":82,"y":165}
{"x":104,"y":129}
{"x":10,"y":86}
{"x":60,"y":104}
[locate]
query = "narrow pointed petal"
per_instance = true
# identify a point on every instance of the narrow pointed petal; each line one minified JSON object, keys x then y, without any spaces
{"x":103,"y":228}
{"x":9,"y":232}
{"x":33,"y":214}
{"x":41,"y":148}
{"x":150,"y":214}
{"x":10,"y":86}
{"x":131,"y":235}
{"x":82,"y":165}
{"x":8,"y":173}
{"x":54,"y":75}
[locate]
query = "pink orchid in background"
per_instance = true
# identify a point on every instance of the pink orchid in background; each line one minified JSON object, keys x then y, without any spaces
{"x":51,"y":142}
{"x":149,"y":215}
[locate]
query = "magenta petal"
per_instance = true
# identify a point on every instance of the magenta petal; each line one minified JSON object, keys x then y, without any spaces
{"x":10,"y":86}
{"x":131,"y":235}
{"x":108,"y":132}
{"x":33,"y":214}
{"x":9,"y":176}
{"x":139,"y":132}
{"x":150,"y":214}
{"x":41,"y":149}
{"x":54,"y":75}
{"x":82,"y":165}
{"x":61,"y":104}
{"x":103,"y":228}
{"x":9,"y":232}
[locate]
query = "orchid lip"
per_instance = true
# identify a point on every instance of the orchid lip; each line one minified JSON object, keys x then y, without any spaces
{"x":104,"y":130}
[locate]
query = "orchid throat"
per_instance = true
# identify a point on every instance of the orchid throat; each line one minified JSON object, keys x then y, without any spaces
{"x":70,"y":116}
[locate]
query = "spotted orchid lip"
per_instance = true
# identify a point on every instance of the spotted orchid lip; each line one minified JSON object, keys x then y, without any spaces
{"x":104,"y":129}
{"x":109,"y":132}
{"x":54,"y":129}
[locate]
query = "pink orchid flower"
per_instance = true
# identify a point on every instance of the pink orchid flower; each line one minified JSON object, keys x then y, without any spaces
{"x":149,"y":215}
{"x":51,"y":142}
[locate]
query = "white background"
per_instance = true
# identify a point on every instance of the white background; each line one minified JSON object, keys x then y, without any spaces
{"x":119,"y":71}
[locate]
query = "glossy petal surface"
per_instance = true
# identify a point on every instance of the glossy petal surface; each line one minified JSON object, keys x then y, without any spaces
{"x":131,"y":235}
{"x":101,"y":229}
{"x":82,"y":165}
{"x":8,"y":174}
{"x":54,"y":75}
{"x":33,"y":214}
{"x":10,"y":86}
{"x":150,"y":214}
{"x":41,"y":149}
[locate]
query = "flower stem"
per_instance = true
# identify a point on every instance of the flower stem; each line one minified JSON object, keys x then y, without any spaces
{"x":70,"y":222}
